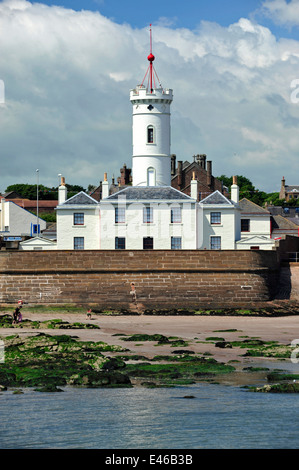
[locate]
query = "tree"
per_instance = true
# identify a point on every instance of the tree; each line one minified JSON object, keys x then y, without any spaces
{"x":29,"y":191}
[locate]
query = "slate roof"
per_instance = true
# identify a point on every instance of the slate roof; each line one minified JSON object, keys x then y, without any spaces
{"x":139,"y":193}
{"x":281,"y":223}
{"x":80,"y":199}
{"x":249,"y":207}
{"x":216,"y":198}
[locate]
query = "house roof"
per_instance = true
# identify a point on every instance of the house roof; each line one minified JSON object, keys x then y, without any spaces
{"x":294,"y":189}
{"x":28,"y":203}
{"x":249,"y":207}
{"x":80,"y":199}
{"x":141,"y":193}
{"x":216,"y":198}
{"x":282,"y":223}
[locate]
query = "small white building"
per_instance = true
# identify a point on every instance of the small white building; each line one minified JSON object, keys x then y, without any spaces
{"x":255,"y":227}
{"x":18,"y":223}
{"x":218,"y":223}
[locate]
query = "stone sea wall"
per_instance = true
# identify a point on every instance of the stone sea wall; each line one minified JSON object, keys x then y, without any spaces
{"x":163,"y":279}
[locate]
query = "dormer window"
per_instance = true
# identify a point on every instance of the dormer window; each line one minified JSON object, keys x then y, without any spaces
{"x":150,"y":135}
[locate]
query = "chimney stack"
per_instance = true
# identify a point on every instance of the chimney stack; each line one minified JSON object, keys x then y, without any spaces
{"x":193,"y":187}
{"x":209,"y":173}
{"x":235,"y":190}
{"x":180,"y":174}
{"x":62,"y":191}
{"x":173,"y":162}
{"x":105,"y":187}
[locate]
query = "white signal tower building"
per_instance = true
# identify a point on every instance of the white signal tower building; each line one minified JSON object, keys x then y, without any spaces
{"x":151,"y":160}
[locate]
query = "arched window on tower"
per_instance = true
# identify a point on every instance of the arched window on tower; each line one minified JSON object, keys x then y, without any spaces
{"x":151,"y":176}
{"x":150,"y":134}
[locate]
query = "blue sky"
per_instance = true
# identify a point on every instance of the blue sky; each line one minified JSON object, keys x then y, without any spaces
{"x":233,"y":66}
{"x":178,"y":13}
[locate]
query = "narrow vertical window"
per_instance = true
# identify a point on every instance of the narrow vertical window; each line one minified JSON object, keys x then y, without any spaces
{"x":176,"y":217}
{"x":150,"y":135}
{"x":151,"y":177}
{"x":120,"y":215}
{"x":147,"y":215}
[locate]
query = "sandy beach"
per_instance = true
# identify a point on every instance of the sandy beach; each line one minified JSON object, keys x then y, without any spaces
{"x":193,"y":329}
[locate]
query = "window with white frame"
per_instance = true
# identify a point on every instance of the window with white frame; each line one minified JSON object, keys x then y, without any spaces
{"x":176,"y":215}
{"x":215,"y":218}
{"x":78,"y":218}
{"x":176,"y":243}
{"x":150,"y":134}
{"x":78,"y":243}
{"x":215,"y":243}
{"x":147,"y":215}
{"x":120,"y":215}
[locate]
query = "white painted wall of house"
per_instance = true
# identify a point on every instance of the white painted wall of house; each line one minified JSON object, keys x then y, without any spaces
{"x":66,"y":230}
{"x":134,"y":229}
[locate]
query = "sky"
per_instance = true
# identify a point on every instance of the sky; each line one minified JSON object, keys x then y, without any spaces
{"x":67,"y":67}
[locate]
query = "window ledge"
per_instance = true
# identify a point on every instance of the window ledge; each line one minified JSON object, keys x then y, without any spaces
{"x":79,"y":226}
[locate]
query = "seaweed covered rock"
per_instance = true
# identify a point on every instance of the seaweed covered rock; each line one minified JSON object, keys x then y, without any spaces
{"x":292,"y":387}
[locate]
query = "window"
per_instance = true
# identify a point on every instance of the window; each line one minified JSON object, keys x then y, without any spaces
{"x":176,"y":243}
{"x":215,"y":243}
{"x":78,"y":243}
{"x":148,"y":243}
{"x":120,"y":243}
{"x":35,"y":229}
{"x":286,"y":210}
{"x":215,"y":217}
{"x":150,"y":135}
{"x":151,"y":177}
{"x":176,"y":216}
{"x":78,"y":218}
{"x":254,"y":247}
{"x":245,"y":225}
{"x":120,"y":215}
{"x":147,"y":215}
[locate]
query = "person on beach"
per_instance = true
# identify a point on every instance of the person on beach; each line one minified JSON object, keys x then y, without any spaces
{"x":88,"y":314}
{"x":16,"y":314}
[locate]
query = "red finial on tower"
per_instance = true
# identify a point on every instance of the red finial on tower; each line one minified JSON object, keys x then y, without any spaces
{"x":151,"y":69}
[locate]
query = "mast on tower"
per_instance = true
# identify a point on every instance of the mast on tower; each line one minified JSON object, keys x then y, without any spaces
{"x":151,"y":71}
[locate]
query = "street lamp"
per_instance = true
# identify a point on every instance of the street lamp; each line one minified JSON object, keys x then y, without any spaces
{"x":37,"y":172}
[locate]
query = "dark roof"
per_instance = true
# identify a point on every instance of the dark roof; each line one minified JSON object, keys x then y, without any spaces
{"x":250,"y":207}
{"x":216,"y":198}
{"x":80,"y":199}
{"x":292,"y":188}
{"x":139,"y":193}
{"x":281,"y":223}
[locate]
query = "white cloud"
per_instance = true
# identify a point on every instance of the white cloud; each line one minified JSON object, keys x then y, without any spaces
{"x":282,"y":12}
{"x":67,"y":78}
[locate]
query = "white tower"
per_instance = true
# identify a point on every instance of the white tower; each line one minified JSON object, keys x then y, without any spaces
{"x":151,"y":162}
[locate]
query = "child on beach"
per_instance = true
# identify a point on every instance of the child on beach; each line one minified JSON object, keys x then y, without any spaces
{"x":88,"y":314}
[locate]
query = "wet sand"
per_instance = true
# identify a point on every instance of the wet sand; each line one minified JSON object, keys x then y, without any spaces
{"x":193,"y":329}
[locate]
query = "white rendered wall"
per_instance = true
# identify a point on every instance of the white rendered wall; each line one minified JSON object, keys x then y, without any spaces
{"x":156,"y":154}
{"x":226,"y":229}
{"x":66,"y":230}
{"x":18,"y":220}
{"x":259,"y":225}
{"x":134,"y":230}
